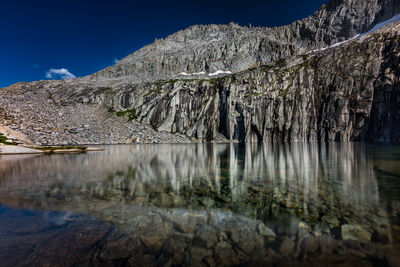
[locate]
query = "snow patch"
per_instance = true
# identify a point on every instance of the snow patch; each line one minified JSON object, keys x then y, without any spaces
{"x":199,"y":73}
{"x":375,"y":28}
{"x":335,"y":45}
{"x":382,"y":24}
{"x":346,"y":41}
{"x":218,"y":72}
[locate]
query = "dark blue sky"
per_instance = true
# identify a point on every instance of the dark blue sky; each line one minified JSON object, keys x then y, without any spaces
{"x":85,"y":36}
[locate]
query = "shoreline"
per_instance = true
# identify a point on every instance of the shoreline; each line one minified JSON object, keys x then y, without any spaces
{"x":10,"y":149}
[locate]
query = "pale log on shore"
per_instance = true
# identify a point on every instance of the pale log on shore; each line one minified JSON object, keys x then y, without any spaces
{"x":10,"y":150}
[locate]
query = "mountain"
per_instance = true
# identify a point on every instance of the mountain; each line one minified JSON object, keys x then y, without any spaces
{"x":210,"y":48}
{"x":333,"y":76}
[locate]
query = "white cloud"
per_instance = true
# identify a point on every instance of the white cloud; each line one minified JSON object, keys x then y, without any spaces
{"x":59,"y":73}
{"x":115,"y":60}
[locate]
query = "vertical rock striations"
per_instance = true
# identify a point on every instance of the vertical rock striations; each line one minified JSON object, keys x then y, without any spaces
{"x":344,"y":93}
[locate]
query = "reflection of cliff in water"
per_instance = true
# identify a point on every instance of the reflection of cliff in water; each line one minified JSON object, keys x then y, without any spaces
{"x":301,"y":173}
{"x":307,"y":180}
{"x":191,"y":203}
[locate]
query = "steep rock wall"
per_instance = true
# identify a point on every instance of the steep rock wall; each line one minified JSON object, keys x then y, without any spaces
{"x":342,"y":94}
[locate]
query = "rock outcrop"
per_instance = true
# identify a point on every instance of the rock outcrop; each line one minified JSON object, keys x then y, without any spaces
{"x":318,"y":79}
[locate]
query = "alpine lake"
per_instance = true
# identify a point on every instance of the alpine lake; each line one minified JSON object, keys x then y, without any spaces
{"x":203,"y":205}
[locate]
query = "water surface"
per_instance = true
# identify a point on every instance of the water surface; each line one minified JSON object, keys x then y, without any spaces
{"x":203,"y":204}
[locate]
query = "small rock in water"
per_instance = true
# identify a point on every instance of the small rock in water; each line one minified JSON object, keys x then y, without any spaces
{"x":332,"y":221}
{"x":304,"y":227}
{"x":265,"y":231}
{"x":287,"y":247}
{"x":321,"y":228}
{"x":198,"y":253}
{"x":355,"y":233}
{"x":206,"y":235}
{"x":207,"y":202}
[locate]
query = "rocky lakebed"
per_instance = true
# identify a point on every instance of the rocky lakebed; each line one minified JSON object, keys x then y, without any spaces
{"x":203,"y":205}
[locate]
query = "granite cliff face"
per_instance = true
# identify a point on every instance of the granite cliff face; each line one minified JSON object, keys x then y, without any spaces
{"x":344,"y":93}
{"x":308,"y":81}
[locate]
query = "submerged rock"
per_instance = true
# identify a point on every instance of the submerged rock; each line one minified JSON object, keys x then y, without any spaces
{"x":206,"y":236}
{"x":265,"y":231}
{"x":355,"y":233}
{"x":286,"y":247}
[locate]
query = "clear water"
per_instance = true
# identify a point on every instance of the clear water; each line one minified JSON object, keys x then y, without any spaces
{"x":203,"y":204}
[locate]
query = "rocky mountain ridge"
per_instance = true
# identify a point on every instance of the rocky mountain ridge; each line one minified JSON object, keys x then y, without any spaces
{"x":284,"y":85}
{"x":208,"y":48}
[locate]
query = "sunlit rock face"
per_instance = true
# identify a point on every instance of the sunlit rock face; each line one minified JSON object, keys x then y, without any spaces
{"x":222,"y":204}
{"x":343,"y":93}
